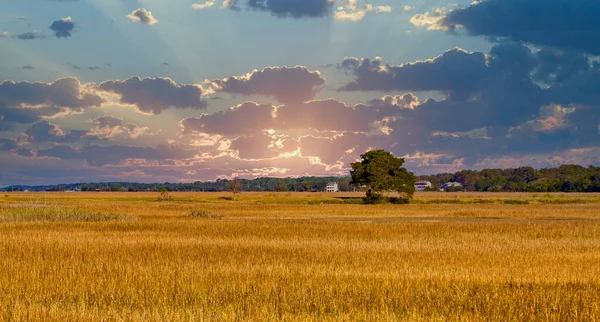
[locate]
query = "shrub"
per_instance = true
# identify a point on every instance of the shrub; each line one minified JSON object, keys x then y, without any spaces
{"x":164,"y":195}
{"x":203,"y":213}
{"x":375,"y":198}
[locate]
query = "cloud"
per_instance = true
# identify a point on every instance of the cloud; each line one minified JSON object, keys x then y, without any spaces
{"x":154,"y":95}
{"x":63,"y":27}
{"x":432,"y":20}
{"x":109,"y":126}
{"x":564,"y":24}
{"x":7,"y":144}
{"x":231,"y":4}
{"x":26,"y":102}
{"x":351,"y":11}
{"x":206,"y":4}
{"x":248,"y":117}
{"x":456,"y":73}
{"x":44,"y":131}
{"x":4,"y":34}
{"x":96,"y":155}
{"x":142,"y":15}
{"x":30,"y":35}
{"x":29,"y":67}
{"x":296,"y":84}
{"x":291,"y":8}
{"x":318,"y":115}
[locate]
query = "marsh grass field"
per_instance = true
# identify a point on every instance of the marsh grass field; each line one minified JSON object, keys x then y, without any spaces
{"x":299,"y":257}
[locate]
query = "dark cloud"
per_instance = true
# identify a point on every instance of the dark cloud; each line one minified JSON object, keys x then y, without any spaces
{"x":142,"y":15}
{"x":29,"y":67}
{"x":481,"y":91}
{"x":7,"y":144}
{"x":154,"y":95}
{"x":26,"y":102}
{"x":63,"y":27}
{"x":565,"y":24}
{"x":292,"y":8}
{"x":244,"y":118}
{"x":30,"y":36}
{"x":456,"y":72}
{"x":25,"y":152}
{"x":297,"y":84}
{"x":60,"y":151}
{"x":64,"y":92}
{"x":44,"y":131}
{"x":74,"y":66}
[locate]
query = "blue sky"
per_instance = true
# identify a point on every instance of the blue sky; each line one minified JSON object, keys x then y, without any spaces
{"x":153,"y":91}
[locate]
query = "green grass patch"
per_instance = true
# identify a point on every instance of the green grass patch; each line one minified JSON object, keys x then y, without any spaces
{"x":33,"y":213}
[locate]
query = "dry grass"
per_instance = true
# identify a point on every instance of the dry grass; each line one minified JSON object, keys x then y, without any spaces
{"x":300,"y":257}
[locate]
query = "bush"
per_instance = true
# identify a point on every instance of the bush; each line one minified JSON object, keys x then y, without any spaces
{"x":164,"y":195}
{"x":203,"y":213}
{"x":375,"y":198}
{"x":399,"y":201}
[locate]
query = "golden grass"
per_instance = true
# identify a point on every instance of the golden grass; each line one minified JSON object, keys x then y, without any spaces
{"x":290,"y":257}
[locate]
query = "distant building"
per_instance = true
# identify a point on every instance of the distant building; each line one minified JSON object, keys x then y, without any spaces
{"x":450,"y":184}
{"x":332,"y":187}
{"x":422,"y":185}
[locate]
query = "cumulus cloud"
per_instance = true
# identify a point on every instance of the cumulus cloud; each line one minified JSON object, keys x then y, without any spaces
{"x":565,"y":24}
{"x":26,"y":102}
{"x":109,"y":126}
{"x":456,"y":72}
{"x":63,"y":27}
{"x":317,"y":115}
{"x":4,"y":34}
{"x":44,"y":131}
{"x":289,"y":8}
{"x":142,"y":15}
{"x":432,"y":20}
{"x":154,"y":95}
{"x":248,"y":117}
{"x":296,"y":84}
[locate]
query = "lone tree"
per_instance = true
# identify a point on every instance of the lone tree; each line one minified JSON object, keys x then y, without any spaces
{"x":235,"y":186}
{"x":381,"y":172}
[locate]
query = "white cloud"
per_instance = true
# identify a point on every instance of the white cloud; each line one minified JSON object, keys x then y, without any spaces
{"x":206,"y":4}
{"x":351,"y":11}
{"x":431,"y":20}
{"x":142,"y":15}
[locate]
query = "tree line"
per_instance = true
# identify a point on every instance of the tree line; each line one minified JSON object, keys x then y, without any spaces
{"x":566,"y":178}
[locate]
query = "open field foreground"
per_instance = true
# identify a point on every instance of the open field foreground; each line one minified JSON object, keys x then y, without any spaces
{"x":298,"y":257}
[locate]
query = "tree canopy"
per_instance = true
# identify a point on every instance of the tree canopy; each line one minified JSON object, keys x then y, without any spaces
{"x":382,"y":172}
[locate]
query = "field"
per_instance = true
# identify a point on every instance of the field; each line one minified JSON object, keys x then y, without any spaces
{"x":298,"y":257}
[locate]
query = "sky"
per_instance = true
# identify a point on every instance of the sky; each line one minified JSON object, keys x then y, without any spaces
{"x":183,"y":90}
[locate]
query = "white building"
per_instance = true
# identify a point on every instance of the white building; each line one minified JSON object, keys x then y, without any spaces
{"x":422,"y":185}
{"x":332,"y":187}
{"x":450,"y":184}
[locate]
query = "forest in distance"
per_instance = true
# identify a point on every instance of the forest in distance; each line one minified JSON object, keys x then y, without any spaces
{"x":566,"y":178}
